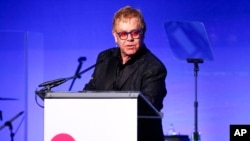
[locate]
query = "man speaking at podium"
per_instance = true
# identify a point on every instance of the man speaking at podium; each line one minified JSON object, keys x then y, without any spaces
{"x":132,"y":67}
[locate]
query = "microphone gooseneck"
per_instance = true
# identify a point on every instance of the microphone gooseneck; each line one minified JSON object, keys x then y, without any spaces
{"x":48,"y":85}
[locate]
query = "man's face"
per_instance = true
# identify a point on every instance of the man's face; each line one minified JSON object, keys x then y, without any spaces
{"x":128,"y":43}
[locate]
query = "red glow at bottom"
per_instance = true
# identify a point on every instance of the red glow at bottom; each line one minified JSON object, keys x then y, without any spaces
{"x":63,"y":137}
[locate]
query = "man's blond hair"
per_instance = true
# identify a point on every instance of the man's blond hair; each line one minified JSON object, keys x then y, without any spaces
{"x":127,"y":13}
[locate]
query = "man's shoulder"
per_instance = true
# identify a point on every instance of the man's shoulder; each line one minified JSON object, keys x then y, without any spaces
{"x":153,"y":60}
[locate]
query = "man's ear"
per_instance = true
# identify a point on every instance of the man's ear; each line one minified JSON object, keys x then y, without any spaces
{"x":115,"y":37}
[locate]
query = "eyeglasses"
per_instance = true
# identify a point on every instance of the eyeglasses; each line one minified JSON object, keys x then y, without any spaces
{"x":135,"y":34}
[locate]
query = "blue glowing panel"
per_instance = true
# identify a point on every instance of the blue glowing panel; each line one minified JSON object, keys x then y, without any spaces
{"x":188,"y":39}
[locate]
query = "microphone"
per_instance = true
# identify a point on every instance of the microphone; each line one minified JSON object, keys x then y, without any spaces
{"x":56,"y":81}
{"x":80,"y":60}
{"x":53,"y":83}
{"x":59,"y":81}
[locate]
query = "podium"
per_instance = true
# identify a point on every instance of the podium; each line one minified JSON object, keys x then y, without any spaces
{"x":95,"y":116}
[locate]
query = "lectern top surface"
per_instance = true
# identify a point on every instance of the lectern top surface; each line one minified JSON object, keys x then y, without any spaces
{"x":145,"y":108}
{"x":93,"y":94}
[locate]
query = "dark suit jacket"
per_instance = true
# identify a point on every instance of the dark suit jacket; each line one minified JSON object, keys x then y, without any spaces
{"x":144,"y":73}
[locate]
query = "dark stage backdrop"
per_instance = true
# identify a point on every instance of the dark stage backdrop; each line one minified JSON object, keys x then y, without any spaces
{"x":42,"y":40}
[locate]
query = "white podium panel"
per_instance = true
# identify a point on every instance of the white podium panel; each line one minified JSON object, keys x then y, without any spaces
{"x":91,"y":116}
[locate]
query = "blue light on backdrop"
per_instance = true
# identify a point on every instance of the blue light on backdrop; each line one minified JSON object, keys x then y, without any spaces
{"x":42,"y":40}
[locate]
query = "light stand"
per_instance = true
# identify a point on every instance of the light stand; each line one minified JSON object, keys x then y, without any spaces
{"x":196,"y":62}
{"x":9,"y":124}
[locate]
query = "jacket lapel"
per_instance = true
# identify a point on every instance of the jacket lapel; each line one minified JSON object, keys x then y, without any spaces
{"x":110,"y":74}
